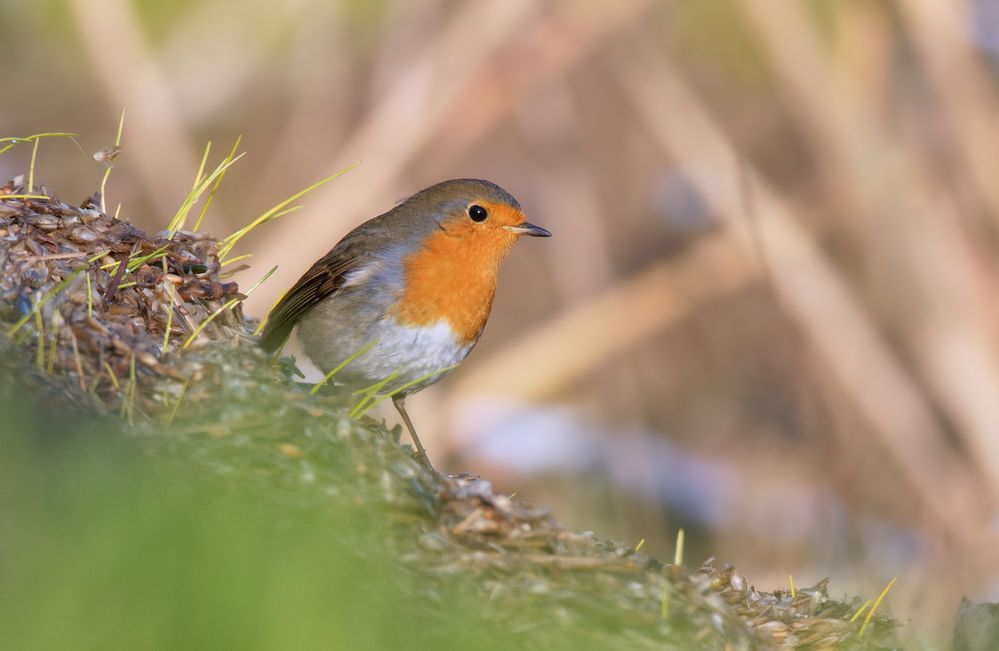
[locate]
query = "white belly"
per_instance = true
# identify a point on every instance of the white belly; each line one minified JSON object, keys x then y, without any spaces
{"x":409,"y":355}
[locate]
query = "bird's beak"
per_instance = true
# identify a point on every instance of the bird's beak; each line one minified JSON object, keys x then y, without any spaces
{"x":529,"y":229}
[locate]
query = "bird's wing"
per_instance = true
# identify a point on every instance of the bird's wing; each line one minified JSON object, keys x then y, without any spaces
{"x":323,"y":279}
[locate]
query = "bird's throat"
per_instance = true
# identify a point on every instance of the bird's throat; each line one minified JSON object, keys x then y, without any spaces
{"x":452,"y":279}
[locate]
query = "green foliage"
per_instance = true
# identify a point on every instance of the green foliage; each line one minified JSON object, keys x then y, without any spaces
{"x":106,"y":546}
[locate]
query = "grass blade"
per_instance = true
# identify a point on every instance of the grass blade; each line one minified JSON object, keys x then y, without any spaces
{"x":200,"y":185}
{"x":228,"y":305}
{"x":211,"y":195}
{"x":211,"y":317}
{"x":128,"y":400}
{"x":12,"y":140}
{"x":169,"y":323}
{"x":263,"y":322}
{"x":229,"y":242}
{"x":358,"y":412}
{"x":860,"y":610}
{"x":107,"y":171}
{"x":31,"y":168}
{"x":370,"y":393}
{"x":49,"y":295}
{"x":877,"y":602}
{"x":90,"y":296}
{"x":230,"y":261}
{"x":176,"y":405}
{"x":339,"y":367}
{"x":40,"y":346}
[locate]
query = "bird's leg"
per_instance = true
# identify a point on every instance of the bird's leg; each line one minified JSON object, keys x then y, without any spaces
{"x":400,"y":404}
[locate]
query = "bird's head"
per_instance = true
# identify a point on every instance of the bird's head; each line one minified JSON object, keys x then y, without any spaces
{"x":482,"y":216}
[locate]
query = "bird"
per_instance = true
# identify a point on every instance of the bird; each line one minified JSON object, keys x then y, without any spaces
{"x":404,"y":297}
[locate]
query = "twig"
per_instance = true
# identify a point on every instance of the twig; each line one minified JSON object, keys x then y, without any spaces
{"x":113,"y":285}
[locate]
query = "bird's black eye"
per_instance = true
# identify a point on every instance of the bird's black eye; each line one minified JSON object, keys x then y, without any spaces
{"x":477,"y":213}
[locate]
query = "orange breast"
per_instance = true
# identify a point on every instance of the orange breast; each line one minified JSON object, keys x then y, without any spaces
{"x":453,"y":277}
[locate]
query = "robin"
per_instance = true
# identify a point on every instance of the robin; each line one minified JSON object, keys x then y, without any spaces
{"x":404,"y":297}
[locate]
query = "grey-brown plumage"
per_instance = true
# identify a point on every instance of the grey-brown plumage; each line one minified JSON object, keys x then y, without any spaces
{"x":381,"y":240}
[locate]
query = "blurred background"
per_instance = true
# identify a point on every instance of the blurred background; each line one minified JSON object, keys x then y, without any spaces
{"x":767,"y":314}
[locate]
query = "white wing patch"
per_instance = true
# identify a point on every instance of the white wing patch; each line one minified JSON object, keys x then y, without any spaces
{"x":361,"y":275}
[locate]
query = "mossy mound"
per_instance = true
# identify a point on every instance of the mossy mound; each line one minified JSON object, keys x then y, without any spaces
{"x":146,"y":327}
